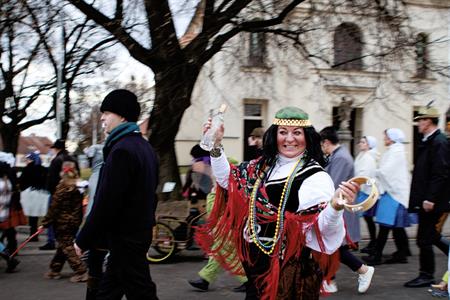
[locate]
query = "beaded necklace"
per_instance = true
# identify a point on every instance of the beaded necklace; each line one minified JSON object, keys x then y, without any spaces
{"x":270,"y":246}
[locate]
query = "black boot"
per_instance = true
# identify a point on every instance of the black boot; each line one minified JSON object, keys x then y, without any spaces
{"x":372,"y":260}
{"x":93,"y":284}
{"x":11,"y":262}
{"x":240,"y":289}
{"x":200,"y":283}
{"x":370,"y":248}
{"x":397,"y":258}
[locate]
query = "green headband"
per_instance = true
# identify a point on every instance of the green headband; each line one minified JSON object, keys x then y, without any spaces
{"x":292,"y":116}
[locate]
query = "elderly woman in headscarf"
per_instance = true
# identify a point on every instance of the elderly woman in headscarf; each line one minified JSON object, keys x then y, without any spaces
{"x":34,"y":196}
{"x":365,"y":165}
{"x":394,"y":180}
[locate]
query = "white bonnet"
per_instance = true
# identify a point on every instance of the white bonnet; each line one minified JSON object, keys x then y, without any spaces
{"x":371,"y":141}
{"x":396,"y":135}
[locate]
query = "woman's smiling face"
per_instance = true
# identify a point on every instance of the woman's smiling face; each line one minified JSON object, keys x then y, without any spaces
{"x":290,"y":141}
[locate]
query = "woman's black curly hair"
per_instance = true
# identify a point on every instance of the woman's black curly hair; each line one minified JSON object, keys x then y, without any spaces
{"x":312,"y":139}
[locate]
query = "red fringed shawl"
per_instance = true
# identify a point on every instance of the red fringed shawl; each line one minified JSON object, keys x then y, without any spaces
{"x":222,"y":235}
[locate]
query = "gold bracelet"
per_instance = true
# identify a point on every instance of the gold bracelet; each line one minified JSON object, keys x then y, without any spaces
{"x":333,"y":205}
{"x":216,"y":151}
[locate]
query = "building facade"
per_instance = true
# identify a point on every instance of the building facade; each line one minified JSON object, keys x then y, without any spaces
{"x":351,"y":70}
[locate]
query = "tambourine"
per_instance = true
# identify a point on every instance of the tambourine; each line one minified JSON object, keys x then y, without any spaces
{"x":369,"y":201}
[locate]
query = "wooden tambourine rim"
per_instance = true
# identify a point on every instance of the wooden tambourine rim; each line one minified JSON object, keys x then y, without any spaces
{"x":369,"y":201}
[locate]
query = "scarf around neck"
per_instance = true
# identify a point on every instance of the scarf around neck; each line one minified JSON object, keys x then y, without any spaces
{"x":117,"y":133}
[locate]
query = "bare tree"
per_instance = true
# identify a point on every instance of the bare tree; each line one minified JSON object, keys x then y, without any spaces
{"x":176,"y":62}
{"x":73,"y":49}
{"x":19,"y":89}
{"x":176,"y":68}
{"x":42,"y":44}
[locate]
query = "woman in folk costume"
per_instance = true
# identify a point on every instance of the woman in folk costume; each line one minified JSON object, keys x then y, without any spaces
{"x":280,"y":211}
{"x":394,"y":181}
{"x":365,"y":165}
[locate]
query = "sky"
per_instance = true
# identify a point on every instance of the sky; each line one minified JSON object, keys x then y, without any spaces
{"x":125,"y":65}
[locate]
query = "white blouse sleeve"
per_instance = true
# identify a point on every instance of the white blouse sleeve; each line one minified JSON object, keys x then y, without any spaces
{"x":221,"y":170}
{"x":319,"y":188}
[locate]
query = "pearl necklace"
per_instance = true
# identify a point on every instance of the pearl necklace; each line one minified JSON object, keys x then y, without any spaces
{"x":270,"y":246}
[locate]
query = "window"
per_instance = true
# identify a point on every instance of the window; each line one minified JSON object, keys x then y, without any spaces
{"x":421,"y":55}
{"x":257,"y":49}
{"x":253,"y":117}
{"x":347,"y":47}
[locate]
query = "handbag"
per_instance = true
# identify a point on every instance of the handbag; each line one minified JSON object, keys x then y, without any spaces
{"x":387,"y":210}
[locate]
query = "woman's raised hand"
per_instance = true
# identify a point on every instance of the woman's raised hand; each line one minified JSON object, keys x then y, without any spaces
{"x":207,"y":125}
{"x":218,"y":135}
{"x":346,"y":193}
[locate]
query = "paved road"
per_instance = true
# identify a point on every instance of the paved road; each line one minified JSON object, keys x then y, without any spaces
{"x":28,"y":283}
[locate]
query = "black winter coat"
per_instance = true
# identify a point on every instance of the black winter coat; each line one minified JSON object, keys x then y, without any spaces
{"x":33,"y":176}
{"x":125,"y":199}
{"x":431,"y":174}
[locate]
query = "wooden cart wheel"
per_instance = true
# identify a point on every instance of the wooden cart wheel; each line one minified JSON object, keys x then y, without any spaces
{"x":163,"y":244}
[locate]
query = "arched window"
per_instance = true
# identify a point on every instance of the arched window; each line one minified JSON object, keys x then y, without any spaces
{"x":421,"y":55}
{"x":257,"y":49}
{"x":348,"y":47}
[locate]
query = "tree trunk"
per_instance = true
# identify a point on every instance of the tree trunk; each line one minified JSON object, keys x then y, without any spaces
{"x":10,"y":137}
{"x":173,"y":89}
{"x":65,"y":124}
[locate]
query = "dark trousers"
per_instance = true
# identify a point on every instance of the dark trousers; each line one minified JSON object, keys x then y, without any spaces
{"x":95,"y":260}
{"x":372,"y":228}
{"x":10,"y":235}
{"x":33,"y":222}
{"x":127,"y":271}
{"x":400,"y":239}
{"x":348,"y":259}
{"x":427,"y":236}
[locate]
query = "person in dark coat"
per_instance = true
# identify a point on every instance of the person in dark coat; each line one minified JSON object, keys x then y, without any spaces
{"x":53,"y":178}
{"x":341,"y":168}
{"x":124,"y":204}
{"x":255,"y":143}
{"x":428,"y":192}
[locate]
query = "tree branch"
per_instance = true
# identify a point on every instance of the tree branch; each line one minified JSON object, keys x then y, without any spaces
{"x":47,"y":116}
{"x":162,"y":30}
{"x":146,"y":56}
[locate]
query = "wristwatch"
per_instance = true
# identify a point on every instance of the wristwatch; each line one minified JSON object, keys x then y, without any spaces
{"x":216,"y":151}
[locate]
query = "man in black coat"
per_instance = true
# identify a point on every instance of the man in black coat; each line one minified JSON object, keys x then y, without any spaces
{"x":124,"y":206}
{"x":428,"y":192}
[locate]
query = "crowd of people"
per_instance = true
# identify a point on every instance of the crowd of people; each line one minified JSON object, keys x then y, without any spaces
{"x":287,"y":243}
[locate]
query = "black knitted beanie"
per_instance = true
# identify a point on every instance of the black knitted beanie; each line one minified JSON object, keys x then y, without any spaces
{"x":122,"y":102}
